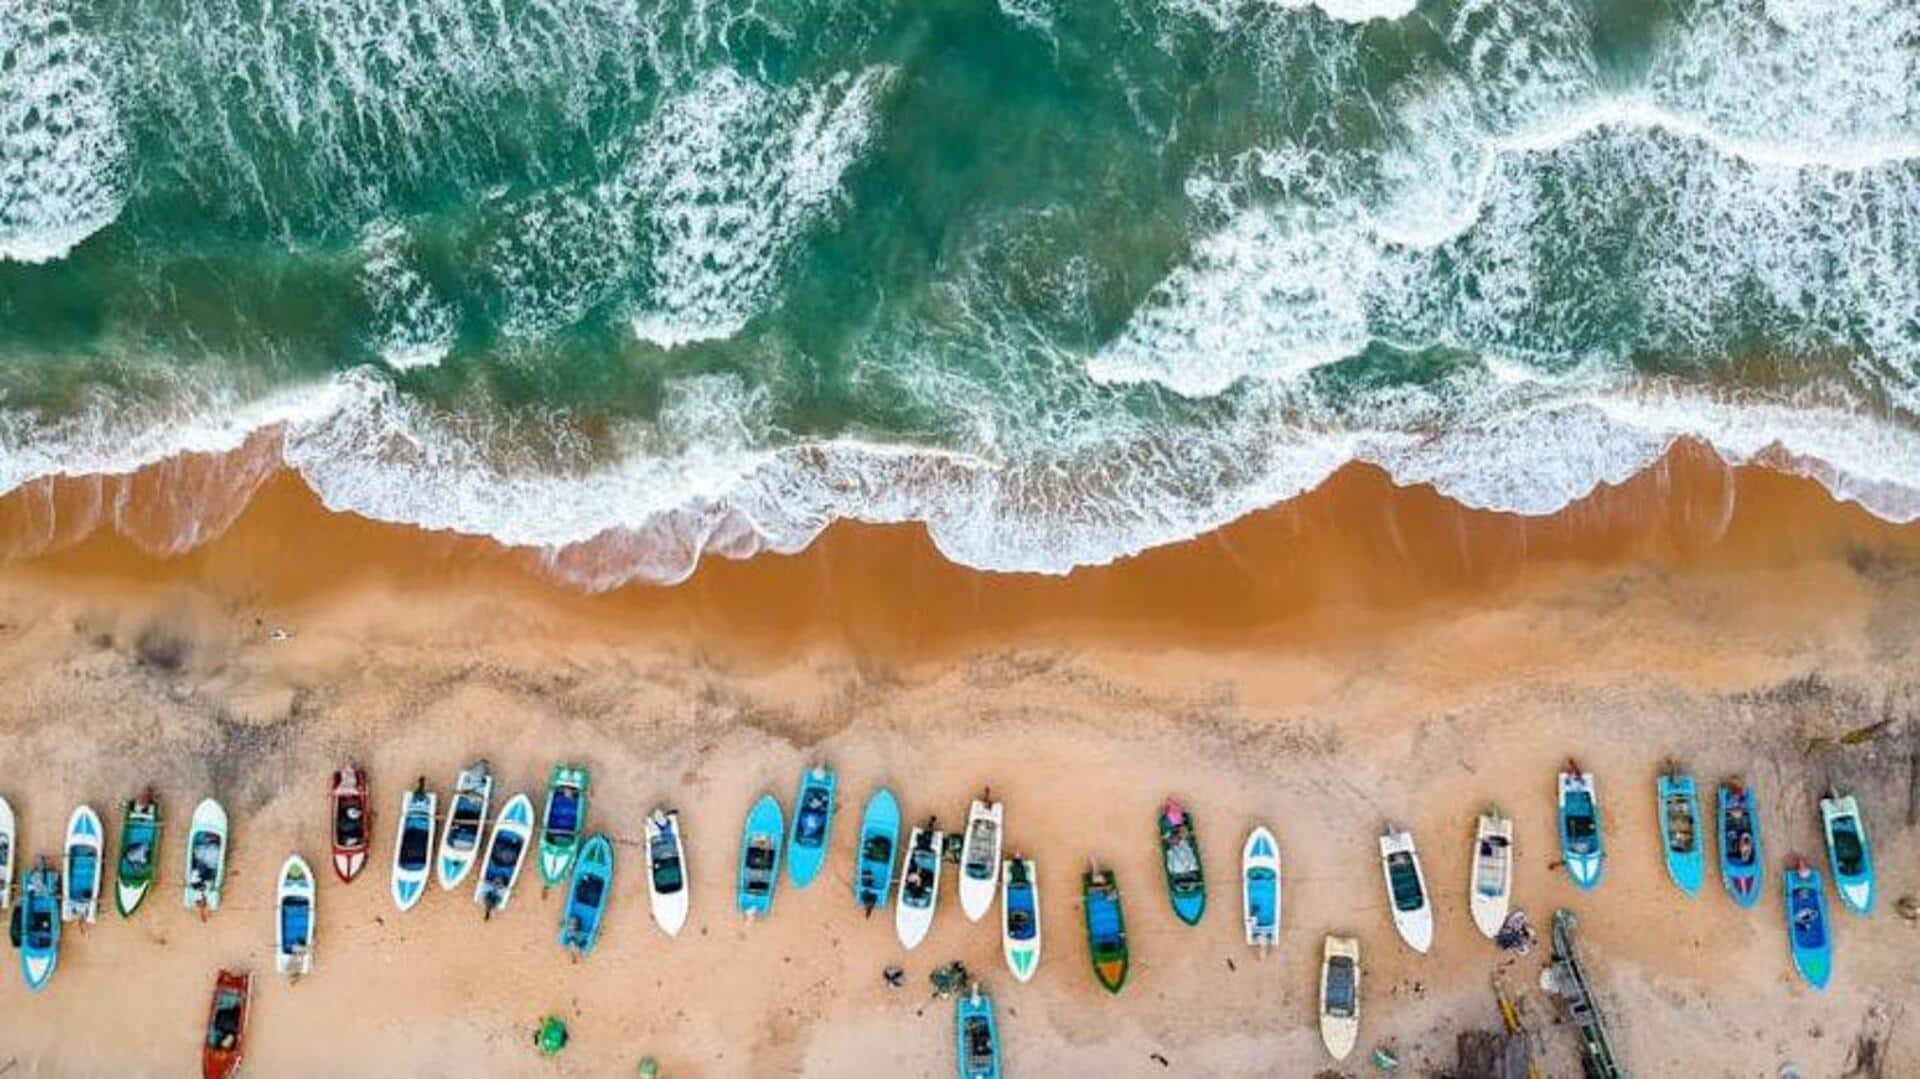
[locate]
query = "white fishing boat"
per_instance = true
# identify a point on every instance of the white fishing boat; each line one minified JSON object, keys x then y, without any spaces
{"x":206,"y":857}
{"x":466,"y":820}
{"x":7,"y":839}
{"x":980,"y":859}
{"x":1340,"y":995}
{"x":1491,"y":888}
{"x":1407,"y":893}
{"x":80,"y":869}
{"x":506,"y":854}
{"x":293,"y":920}
{"x":919,"y":886}
{"x":1260,"y":889}
{"x":667,"y":884}
{"x":413,"y":845}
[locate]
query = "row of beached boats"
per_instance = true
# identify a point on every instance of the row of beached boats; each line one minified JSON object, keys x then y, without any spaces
{"x":903,"y":871}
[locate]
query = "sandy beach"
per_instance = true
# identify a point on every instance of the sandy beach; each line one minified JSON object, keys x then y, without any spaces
{"x":1364,"y":653}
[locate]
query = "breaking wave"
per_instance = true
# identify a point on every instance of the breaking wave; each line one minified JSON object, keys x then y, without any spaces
{"x":736,"y":291}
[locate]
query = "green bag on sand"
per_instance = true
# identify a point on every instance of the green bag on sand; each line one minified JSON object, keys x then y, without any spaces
{"x":552,"y":1035}
{"x":649,"y":1068}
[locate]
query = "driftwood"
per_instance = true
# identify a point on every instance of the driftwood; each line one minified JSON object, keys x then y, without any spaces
{"x":1487,"y":1054}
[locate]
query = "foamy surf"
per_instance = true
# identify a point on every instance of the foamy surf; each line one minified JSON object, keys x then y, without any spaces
{"x":62,"y":150}
{"x":634,"y":283}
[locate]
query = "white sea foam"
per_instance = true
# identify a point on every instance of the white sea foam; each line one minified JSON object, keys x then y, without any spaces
{"x":727,"y":177}
{"x":1354,"y":10}
{"x":413,"y":326}
{"x":62,"y":151}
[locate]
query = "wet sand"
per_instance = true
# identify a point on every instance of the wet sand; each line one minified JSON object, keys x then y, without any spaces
{"x":1360,"y":654}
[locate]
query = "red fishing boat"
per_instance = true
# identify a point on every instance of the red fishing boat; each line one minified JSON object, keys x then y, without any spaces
{"x":352,"y":826}
{"x":226,"y":1025}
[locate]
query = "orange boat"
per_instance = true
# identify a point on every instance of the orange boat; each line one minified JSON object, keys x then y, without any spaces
{"x":226,"y":1025}
{"x":352,"y":822}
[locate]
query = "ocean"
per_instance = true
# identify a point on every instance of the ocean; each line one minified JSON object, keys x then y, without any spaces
{"x":1060,"y":280}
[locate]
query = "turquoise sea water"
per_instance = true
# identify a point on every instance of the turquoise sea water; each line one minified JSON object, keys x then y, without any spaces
{"x":1062,"y":280}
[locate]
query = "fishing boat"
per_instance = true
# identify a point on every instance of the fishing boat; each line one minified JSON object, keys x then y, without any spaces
{"x":35,"y":925}
{"x":1739,"y":842}
{"x":919,"y":885}
{"x":226,"y":1024}
{"x":1260,"y":889}
{"x":413,"y":845}
{"x":1340,"y":995}
{"x":812,"y":825}
{"x":667,"y":871}
{"x":879,"y":846}
{"x":1180,"y":855}
{"x":1582,"y":847}
{"x":1407,"y":889}
{"x":980,"y":858}
{"x":1106,"y":927}
{"x":206,"y":857}
{"x":587,"y":895}
{"x":564,"y":821}
{"x":351,"y":820}
{"x":1809,"y":935}
{"x":1490,"y":891}
{"x":293,"y":921}
{"x":140,"y":825}
{"x":1680,"y":833}
{"x":1848,"y":853}
{"x":976,"y":1036}
{"x":1020,"y":917}
{"x":81,"y":869}
{"x":7,"y":838}
{"x":760,"y":857}
{"x":466,"y":820}
{"x":506,"y":854}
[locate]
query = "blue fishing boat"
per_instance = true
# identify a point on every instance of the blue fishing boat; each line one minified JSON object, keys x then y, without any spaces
{"x":812,"y":825}
{"x":1180,"y":858}
{"x":1582,"y":844}
{"x":879,"y":843}
{"x":760,"y":856}
{"x":1106,"y":928}
{"x":36,"y":924}
{"x":1739,"y":842}
{"x":587,"y":893}
{"x":1848,"y":852}
{"x":1808,"y":933}
{"x":1260,"y":888}
{"x":976,"y":1036}
{"x":1680,"y":835}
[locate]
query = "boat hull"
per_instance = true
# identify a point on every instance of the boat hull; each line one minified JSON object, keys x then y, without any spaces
{"x":667,"y":884}
{"x":501,"y":865}
{"x":1849,"y":853}
{"x":589,"y":890}
{"x":1490,"y":882}
{"x":207,"y":830}
{"x":293,"y":949}
{"x":765,"y":831}
{"x":980,"y":859}
{"x":1682,"y":832}
{"x":812,"y":833}
{"x":911,"y":918}
{"x":1260,"y":888}
{"x":1020,"y":904}
{"x":873,"y":881}
{"x":415,"y":833}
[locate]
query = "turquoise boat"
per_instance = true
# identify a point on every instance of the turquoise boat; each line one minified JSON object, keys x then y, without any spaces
{"x":760,"y":856}
{"x":587,"y":893}
{"x":1680,"y":833}
{"x":879,"y":843}
{"x":1739,"y":843}
{"x":1848,"y":853}
{"x":1180,"y":856}
{"x":1582,"y":844}
{"x":36,"y":925}
{"x":812,"y":825}
{"x":1809,"y":935}
{"x":976,"y":1036}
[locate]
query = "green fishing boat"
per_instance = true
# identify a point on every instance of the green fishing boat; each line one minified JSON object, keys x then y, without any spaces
{"x":1180,"y":855}
{"x":564,"y":821}
{"x":140,"y":824}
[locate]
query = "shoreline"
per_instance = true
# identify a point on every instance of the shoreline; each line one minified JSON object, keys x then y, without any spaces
{"x":1356,"y":549}
{"x":1361,"y":654}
